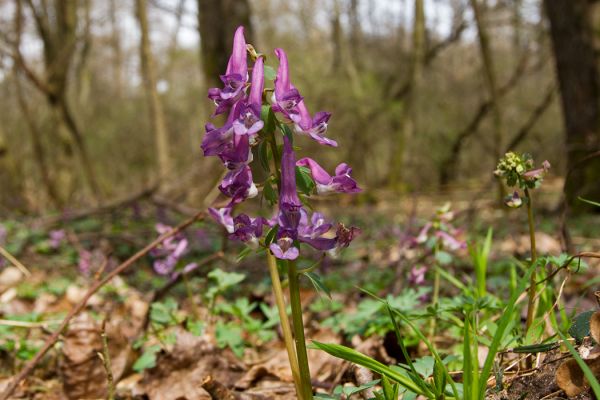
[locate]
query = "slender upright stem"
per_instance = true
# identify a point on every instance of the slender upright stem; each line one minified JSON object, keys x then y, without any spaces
{"x":436,"y":291}
{"x":285,"y":323}
{"x":298,"y":326}
{"x":532,"y":285}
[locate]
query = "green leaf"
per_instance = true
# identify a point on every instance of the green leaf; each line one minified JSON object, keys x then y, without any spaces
{"x":270,"y":73}
{"x":164,"y":313}
{"x":194,"y":326}
{"x":270,"y":193}
{"x":225,"y":279}
{"x":270,"y":236}
{"x":443,"y":258}
{"x":356,"y":357}
{"x":147,"y":359}
{"x":581,"y":326}
{"x":304,"y":180}
{"x":243,"y":254}
{"x":263,"y":155}
{"x":318,"y":283}
{"x":230,"y":335}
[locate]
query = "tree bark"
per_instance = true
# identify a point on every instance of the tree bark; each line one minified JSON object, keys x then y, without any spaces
{"x":577,"y":73}
{"x":217,"y":21}
{"x":410,"y":114}
{"x":115,"y":43}
{"x":148,"y":71}
{"x":492,"y":86}
{"x":57,"y":27}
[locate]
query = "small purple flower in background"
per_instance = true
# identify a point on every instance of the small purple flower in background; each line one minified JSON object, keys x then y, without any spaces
{"x":441,"y":229}
{"x":417,"y":275}
{"x":342,"y":182}
{"x":168,"y":253}
{"x":85,"y":262}
{"x":56,"y":238}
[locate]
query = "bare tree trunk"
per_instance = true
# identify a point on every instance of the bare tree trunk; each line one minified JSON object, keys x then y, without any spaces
{"x":217,"y":21}
{"x":492,"y":85}
{"x":410,"y":118}
{"x":57,"y":27}
{"x":156,"y":112}
{"x":34,"y":133}
{"x":115,"y":42}
{"x":577,"y":72}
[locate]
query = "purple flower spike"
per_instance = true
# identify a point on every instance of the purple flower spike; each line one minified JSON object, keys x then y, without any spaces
{"x":342,"y":182}
{"x":286,"y":97}
{"x":314,"y":127}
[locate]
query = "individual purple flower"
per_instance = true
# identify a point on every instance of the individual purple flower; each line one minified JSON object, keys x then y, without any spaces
{"x":235,"y":78}
{"x":345,"y":235}
{"x":342,"y":181}
{"x":417,"y":275}
{"x":538,"y":173}
{"x":216,"y":140}
{"x":314,"y":127}
{"x":249,"y":122}
{"x":247,"y":229}
{"x":513,"y":200}
{"x":284,"y":248}
{"x":85,"y":262}
{"x":169,"y":252}
{"x":311,"y":231}
{"x":237,"y":153}
{"x":451,"y":241}
{"x":238,"y":185}
{"x":289,"y":202}
{"x":223,"y":217}
{"x":57,"y":237}
{"x":285,"y":97}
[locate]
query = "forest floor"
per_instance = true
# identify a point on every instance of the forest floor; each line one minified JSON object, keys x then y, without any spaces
{"x":211,"y":332}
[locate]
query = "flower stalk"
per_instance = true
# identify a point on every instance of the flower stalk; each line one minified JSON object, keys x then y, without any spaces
{"x":532,"y":281}
{"x":285,"y":323}
{"x":298,"y":325}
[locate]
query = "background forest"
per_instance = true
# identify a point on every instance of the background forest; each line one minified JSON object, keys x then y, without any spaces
{"x":102,"y":98}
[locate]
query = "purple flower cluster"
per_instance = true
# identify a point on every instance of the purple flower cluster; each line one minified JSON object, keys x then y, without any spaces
{"x":169,"y":252}
{"x":242,"y":99}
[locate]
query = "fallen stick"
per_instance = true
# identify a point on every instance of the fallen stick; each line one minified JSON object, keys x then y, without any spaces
{"x":51,"y":341}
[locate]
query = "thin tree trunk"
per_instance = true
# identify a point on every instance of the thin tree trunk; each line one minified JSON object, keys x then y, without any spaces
{"x":410,"y":115}
{"x":156,"y":112}
{"x":217,"y":21}
{"x":34,"y":133}
{"x":577,"y":72}
{"x":115,"y":42}
{"x":492,"y":86}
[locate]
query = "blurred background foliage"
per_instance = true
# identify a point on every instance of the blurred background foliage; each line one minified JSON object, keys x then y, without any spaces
{"x":102,"y":99}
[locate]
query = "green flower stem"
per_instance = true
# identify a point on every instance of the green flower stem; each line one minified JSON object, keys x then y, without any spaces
{"x":532,"y":281}
{"x":298,"y":326}
{"x":436,"y":292}
{"x":285,"y":323}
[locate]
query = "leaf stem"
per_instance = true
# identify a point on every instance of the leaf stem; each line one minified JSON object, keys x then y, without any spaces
{"x":298,"y":326}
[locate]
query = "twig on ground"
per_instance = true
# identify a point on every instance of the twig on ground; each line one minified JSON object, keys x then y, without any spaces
{"x":217,"y":390}
{"x":30,"y":366}
{"x":105,"y":358}
{"x":14,"y":261}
